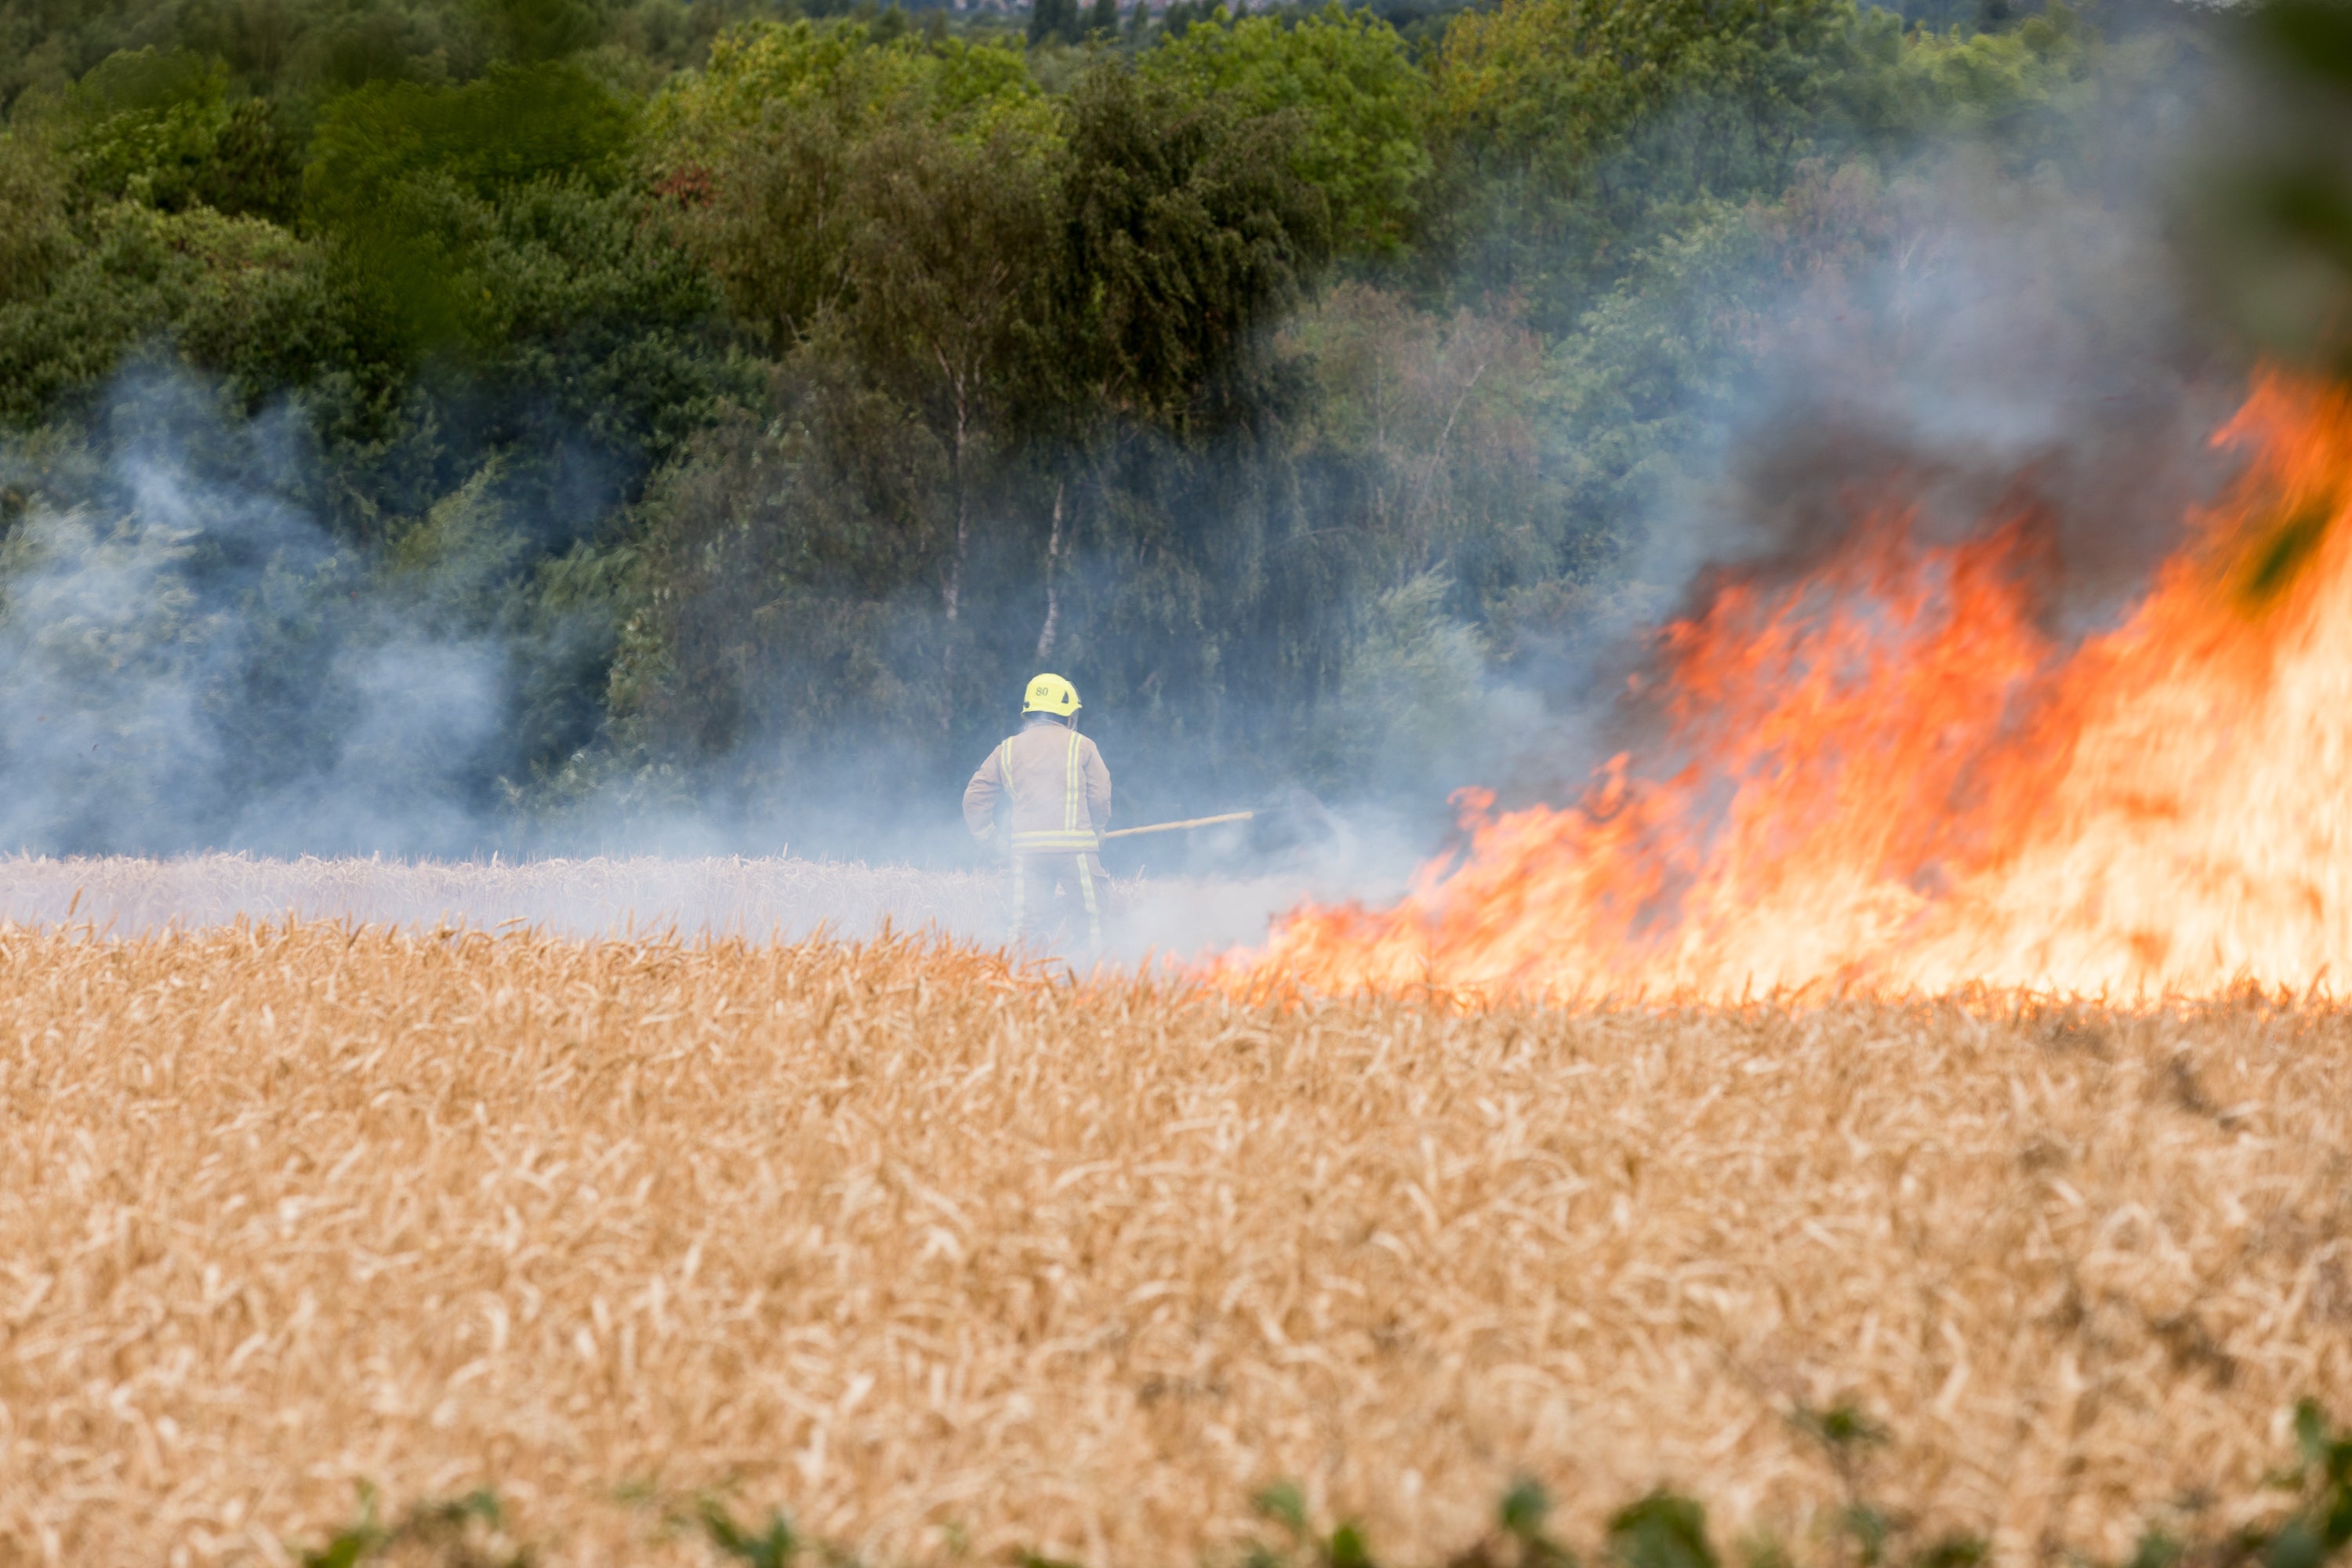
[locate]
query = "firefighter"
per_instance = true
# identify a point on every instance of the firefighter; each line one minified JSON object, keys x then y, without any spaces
{"x":1056,"y":793}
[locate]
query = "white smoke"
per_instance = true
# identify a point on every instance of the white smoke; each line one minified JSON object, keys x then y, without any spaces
{"x":188,"y":662}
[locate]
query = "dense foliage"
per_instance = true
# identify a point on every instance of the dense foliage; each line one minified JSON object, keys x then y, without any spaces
{"x":777,"y":390}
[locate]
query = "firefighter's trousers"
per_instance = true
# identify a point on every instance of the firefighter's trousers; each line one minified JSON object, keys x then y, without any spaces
{"x":1037,"y":877}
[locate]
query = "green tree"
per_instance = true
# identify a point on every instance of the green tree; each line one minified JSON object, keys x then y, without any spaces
{"x":771,"y":599}
{"x":1053,"y":22}
{"x":762,"y":77}
{"x":951,"y":248}
{"x":34,"y":238}
{"x":766,"y":144}
{"x":1575,"y":131}
{"x":531,"y":32}
{"x":397,"y":172}
{"x":1361,"y":102}
{"x":1427,"y":429}
{"x":128,"y":276}
{"x":166,"y":130}
{"x":1189,"y":232}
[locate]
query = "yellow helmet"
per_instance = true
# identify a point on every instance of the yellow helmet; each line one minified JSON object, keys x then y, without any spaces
{"x":1051,"y":694}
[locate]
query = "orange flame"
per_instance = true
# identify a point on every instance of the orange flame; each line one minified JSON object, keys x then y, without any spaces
{"x":1885,"y":778}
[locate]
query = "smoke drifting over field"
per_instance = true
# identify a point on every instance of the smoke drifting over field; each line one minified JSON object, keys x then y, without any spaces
{"x":188,"y":660}
{"x":191,"y":659}
{"x":190,"y":664}
{"x":694,"y":897}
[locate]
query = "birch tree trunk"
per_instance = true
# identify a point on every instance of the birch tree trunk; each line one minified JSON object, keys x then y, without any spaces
{"x":951,"y":595}
{"x":1053,"y":625}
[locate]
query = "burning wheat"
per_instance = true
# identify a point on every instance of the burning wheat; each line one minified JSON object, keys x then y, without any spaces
{"x":1888,"y":773}
{"x":948,"y":1262}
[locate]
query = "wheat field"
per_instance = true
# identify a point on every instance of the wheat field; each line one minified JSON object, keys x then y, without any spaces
{"x":950,"y":1262}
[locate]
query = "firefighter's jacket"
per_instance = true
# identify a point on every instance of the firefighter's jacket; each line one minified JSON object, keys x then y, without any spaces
{"x":1054,"y":783}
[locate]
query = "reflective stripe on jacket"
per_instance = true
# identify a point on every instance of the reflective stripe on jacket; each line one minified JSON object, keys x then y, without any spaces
{"x":1053,"y":780}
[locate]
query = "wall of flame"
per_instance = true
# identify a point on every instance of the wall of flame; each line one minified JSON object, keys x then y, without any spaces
{"x":1887,"y":776}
